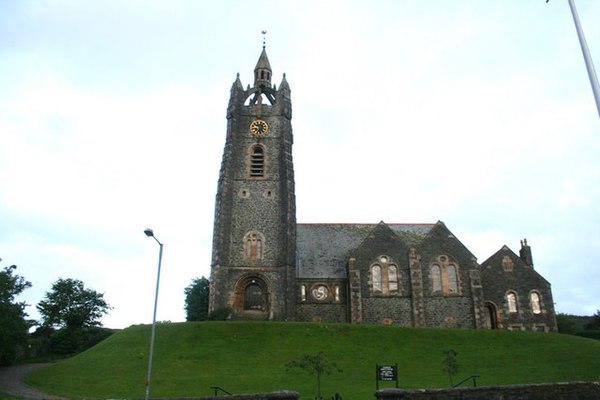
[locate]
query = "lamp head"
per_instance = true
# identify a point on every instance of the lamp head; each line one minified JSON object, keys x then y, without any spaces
{"x":149,"y":232}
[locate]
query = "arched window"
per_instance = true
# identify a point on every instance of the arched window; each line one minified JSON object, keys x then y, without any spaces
{"x":445,"y":279}
{"x":534,"y":299}
{"x":436,"y":278}
{"x":257,"y":162}
{"x":385,"y":277}
{"x":254,"y":245}
{"x":452,"y":278}
{"x":303,"y":292}
{"x":248,"y":248}
{"x":376,"y":278}
{"x":392,"y":278}
{"x":511,"y":301}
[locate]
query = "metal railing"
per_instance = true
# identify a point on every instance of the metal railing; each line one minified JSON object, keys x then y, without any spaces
{"x":473,"y":377}
{"x":218,"y":389}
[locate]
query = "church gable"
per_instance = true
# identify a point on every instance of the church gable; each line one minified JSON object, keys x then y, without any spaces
{"x":381,"y":240}
{"x":441,"y":240}
{"x":516,"y":296}
{"x":446,"y":263}
{"x":507,"y":267}
{"x":382,"y":261}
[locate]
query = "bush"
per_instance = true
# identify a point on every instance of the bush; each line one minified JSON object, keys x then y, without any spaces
{"x":48,"y":343}
{"x":591,"y":334}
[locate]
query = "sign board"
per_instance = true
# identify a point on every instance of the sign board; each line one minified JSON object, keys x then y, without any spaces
{"x":386,"y":373}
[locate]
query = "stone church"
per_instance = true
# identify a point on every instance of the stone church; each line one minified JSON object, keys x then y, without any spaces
{"x":266,"y":266}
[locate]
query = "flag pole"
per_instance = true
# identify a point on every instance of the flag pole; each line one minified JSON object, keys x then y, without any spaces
{"x":586,"y":56}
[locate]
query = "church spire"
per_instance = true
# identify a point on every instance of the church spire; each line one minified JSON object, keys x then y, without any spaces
{"x":262,"y":71}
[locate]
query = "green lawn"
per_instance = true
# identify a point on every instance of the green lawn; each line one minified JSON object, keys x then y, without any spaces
{"x":247,"y":357}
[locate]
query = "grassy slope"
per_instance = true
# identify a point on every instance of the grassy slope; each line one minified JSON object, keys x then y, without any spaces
{"x":245,"y":357}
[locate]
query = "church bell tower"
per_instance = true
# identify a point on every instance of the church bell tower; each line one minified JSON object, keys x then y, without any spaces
{"x":254,"y":236}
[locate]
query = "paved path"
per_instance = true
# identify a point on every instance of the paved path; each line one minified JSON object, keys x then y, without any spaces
{"x":11,"y":382}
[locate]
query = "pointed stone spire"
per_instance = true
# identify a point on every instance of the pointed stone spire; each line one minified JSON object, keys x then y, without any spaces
{"x":237,"y":84}
{"x":284,"y":83}
{"x":262,"y":71}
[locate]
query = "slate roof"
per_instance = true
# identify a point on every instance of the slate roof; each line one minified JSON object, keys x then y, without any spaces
{"x":323,"y":249}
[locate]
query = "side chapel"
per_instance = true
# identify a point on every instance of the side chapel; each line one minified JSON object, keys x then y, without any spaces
{"x":266,"y":266}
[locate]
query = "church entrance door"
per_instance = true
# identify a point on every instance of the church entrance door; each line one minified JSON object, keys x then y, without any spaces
{"x":492,"y":315}
{"x":252,"y":298}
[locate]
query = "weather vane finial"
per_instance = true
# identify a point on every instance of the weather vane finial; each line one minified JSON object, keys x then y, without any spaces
{"x":264,"y":33}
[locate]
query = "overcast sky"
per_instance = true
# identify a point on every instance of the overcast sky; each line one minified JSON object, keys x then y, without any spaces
{"x":112,"y":120}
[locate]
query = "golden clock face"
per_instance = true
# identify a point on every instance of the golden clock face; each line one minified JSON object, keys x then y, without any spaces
{"x":259,"y":127}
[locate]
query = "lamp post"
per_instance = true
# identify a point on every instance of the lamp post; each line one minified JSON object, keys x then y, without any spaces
{"x":150,"y":233}
{"x":586,"y":56}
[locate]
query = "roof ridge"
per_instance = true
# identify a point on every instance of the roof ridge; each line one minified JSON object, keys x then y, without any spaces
{"x":365,"y":223}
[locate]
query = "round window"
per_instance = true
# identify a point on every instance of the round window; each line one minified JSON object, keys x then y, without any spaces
{"x":320,"y":292}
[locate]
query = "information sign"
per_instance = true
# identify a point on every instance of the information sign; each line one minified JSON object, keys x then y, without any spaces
{"x":386,"y":373}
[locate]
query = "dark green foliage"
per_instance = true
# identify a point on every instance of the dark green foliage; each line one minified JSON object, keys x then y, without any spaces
{"x":585,"y":326}
{"x":76,"y":312}
{"x":196,"y":300}
{"x":450,"y":364}
{"x":571,"y":324}
{"x":95,"y":335}
{"x":567,"y":323}
{"x":40,"y":347}
{"x":591,"y":334}
{"x":70,"y":305}
{"x":594,"y":323}
{"x":13,"y":325}
{"x":47,"y":343}
{"x":316,"y":364}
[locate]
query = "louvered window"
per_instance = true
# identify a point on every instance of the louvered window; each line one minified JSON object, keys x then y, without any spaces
{"x":257,"y":162}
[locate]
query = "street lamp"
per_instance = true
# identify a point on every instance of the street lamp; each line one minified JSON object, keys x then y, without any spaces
{"x":586,"y":56}
{"x":150,"y":233}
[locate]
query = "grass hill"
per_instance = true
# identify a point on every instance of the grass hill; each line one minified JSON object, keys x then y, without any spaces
{"x":247,"y":357}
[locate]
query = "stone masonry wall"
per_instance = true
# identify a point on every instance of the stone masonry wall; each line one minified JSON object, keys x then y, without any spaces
{"x":321,"y":313}
{"x":388,"y":310}
{"x":282,"y":395}
{"x":547,"y":391}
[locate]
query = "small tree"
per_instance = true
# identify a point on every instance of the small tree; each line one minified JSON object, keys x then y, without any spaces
{"x":13,"y":325}
{"x":76,"y":311}
{"x":450,"y":364}
{"x":317,"y":364}
{"x":70,"y":305}
{"x":196,"y":300}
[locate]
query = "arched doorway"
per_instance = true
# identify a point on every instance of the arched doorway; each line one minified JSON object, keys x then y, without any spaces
{"x":254,"y":297}
{"x":492,"y":321}
{"x":251,"y":298}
